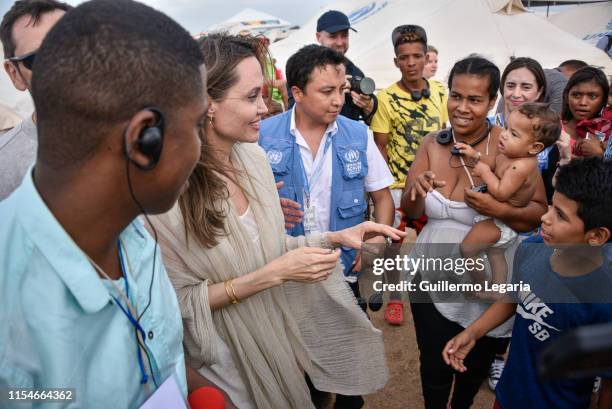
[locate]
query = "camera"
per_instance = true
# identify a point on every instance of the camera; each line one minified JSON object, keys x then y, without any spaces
{"x":480,"y":188}
{"x":362,"y":85}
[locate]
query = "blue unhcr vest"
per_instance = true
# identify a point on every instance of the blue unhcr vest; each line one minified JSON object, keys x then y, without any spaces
{"x":349,"y":168}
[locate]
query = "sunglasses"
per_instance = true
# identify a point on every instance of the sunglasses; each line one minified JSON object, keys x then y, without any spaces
{"x":27,"y":59}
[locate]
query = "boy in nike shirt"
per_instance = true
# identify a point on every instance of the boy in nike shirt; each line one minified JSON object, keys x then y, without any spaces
{"x":569,"y":286}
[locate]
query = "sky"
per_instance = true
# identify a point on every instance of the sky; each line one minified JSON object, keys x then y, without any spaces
{"x":197,"y":15}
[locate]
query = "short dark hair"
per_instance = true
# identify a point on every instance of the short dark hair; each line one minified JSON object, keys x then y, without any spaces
{"x":79,"y":92}
{"x":588,"y":181}
{"x":586,"y":74}
{"x":407,"y":34}
{"x":573,"y":64}
{"x":479,"y":66}
{"x":34,"y":8}
{"x":530,"y":64}
{"x":301,"y":64}
{"x":411,"y":39}
{"x":546,"y":125}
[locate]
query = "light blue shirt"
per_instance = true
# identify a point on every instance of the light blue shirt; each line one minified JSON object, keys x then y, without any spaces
{"x":59,"y":327}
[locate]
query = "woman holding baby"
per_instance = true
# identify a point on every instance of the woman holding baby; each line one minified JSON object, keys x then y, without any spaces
{"x":440,"y":185}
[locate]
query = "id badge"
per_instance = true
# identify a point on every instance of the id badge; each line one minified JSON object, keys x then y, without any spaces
{"x":310,"y":219}
{"x":167,"y":396}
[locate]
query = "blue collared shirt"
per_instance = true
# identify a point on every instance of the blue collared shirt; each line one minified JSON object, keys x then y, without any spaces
{"x":59,"y":327}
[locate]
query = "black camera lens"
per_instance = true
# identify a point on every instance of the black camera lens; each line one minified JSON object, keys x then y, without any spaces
{"x":363,"y":85}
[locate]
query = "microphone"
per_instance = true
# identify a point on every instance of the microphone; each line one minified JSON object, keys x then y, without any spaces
{"x":206,"y":398}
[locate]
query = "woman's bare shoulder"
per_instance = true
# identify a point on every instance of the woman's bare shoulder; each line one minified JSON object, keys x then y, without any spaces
{"x":430,"y":138}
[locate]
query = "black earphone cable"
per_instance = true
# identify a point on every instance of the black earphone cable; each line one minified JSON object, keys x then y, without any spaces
{"x":450,"y":158}
{"x":142,"y":210}
{"x":144,"y":213}
{"x":141,"y":344}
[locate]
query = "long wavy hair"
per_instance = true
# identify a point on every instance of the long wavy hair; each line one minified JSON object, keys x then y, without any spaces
{"x":201,"y":203}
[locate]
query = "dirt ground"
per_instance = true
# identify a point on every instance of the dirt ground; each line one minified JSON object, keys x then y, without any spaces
{"x":403,"y":390}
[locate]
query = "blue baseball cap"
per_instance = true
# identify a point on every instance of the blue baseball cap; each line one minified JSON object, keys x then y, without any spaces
{"x":333,"y":21}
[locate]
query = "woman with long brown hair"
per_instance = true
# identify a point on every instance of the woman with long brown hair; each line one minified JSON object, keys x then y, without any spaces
{"x":260,"y":308}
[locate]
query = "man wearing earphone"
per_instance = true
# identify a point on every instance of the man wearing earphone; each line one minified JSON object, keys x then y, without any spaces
{"x":85,"y":301}
{"x":407,"y":111}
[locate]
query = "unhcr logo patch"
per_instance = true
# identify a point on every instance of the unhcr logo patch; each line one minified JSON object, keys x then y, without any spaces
{"x":274,"y":157}
{"x":351,"y":156}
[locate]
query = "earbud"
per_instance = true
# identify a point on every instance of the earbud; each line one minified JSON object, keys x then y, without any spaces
{"x":150,"y":141}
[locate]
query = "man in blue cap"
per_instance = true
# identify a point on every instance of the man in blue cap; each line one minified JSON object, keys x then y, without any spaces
{"x":333,"y":32}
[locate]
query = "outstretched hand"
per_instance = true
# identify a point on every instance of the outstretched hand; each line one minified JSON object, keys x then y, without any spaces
{"x":376,"y":241}
{"x":457,"y":349}
{"x":354,"y":236}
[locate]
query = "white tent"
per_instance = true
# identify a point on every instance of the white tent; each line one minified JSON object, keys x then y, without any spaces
{"x":253,"y":21}
{"x":496,"y":29}
{"x":589,"y":22}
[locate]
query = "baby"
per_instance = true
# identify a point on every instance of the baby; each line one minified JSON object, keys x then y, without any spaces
{"x":529,"y":129}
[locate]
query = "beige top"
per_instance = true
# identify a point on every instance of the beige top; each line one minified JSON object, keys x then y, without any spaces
{"x":8,"y":118}
{"x":272,"y":335}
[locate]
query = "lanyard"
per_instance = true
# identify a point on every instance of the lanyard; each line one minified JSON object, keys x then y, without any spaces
{"x":132,"y":317}
{"x":316,"y":172}
{"x":467,"y":172}
{"x":130,"y":312}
